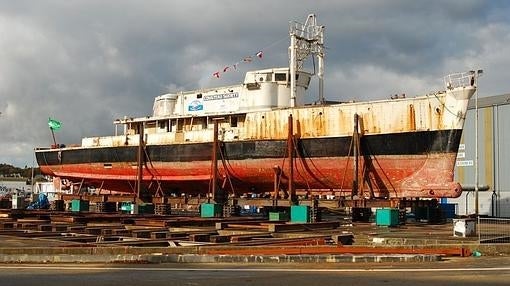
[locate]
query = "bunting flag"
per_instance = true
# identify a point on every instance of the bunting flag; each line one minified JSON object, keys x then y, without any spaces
{"x":247,"y":59}
{"x":54,"y":124}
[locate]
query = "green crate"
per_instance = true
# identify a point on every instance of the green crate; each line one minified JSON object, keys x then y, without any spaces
{"x":126,"y":206}
{"x":300,"y":214}
{"x":146,"y":208}
{"x":79,"y":206}
{"x":211,"y":210}
{"x":386,"y":217}
{"x":274,"y":216}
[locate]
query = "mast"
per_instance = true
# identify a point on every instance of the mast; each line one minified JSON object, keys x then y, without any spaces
{"x":306,"y":40}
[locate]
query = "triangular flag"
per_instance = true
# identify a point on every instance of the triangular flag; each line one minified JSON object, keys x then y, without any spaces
{"x":225,"y":69}
{"x":216,"y":74}
{"x":247,"y":59}
{"x":259,"y":54}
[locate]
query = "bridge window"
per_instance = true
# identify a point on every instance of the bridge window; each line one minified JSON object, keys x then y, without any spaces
{"x":265,"y":77}
{"x":233,"y":121}
{"x":280,"y":77}
{"x":180,"y":124}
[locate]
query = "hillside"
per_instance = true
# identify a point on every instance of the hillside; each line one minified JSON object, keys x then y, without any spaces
{"x":8,"y":171}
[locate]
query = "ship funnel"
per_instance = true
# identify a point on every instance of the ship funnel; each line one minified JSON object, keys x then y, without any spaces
{"x":164,"y":105}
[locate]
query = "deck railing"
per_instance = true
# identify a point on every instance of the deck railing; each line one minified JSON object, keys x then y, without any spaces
{"x":461,"y":79}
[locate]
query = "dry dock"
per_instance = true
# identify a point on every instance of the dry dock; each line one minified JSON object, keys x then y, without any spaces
{"x":50,"y":236}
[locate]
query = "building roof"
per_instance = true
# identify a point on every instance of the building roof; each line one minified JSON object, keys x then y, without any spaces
{"x":489,"y":101}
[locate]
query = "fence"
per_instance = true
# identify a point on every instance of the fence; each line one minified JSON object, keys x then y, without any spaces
{"x":493,"y":230}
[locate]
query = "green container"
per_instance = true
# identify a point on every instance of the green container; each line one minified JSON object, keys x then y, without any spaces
{"x":126,"y":206}
{"x":146,"y":208}
{"x":79,"y":206}
{"x":211,"y":210}
{"x":274,"y":216}
{"x":386,"y":217}
{"x":300,"y":214}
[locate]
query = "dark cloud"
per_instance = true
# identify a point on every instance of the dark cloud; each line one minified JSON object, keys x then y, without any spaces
{"x":87,"y":63}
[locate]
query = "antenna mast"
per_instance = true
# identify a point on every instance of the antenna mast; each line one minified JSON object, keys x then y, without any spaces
{"x":305,"y":40}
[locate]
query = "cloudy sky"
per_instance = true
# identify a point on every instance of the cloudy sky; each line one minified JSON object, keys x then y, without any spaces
{"x":88,"y":62}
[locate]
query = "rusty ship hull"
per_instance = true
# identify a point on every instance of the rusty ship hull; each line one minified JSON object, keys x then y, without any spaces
{"x":412,"y":164}
{"x":407,"y":148}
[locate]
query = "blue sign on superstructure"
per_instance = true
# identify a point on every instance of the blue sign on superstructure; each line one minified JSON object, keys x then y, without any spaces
{"x":195,"y":105}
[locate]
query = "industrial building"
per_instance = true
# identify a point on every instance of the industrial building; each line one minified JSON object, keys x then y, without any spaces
{"x":493,"y":157}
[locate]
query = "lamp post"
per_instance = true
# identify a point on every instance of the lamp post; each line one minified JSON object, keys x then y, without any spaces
{"x":477,"y":74}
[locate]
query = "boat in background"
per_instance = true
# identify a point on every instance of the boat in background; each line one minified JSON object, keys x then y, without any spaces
{"x":261,"y":137}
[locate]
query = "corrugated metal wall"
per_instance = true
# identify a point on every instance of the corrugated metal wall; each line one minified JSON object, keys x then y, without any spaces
{"x":493,"y":157}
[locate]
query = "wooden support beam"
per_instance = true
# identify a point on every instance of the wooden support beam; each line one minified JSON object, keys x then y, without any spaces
{"x":248,"y":237}
{"x":160,"y":234}
{"x":140,"y":160}
{"x":295,"y":250}
{"x":343,"y":239}
{"x":214,"y":161}
{"x":242,"y":224}
{"x":290,"y":153}
{"x":219,"y":238}
{"x":59,"y":227}
{"x":302,"y":226}
{"x":200,"y":237}
{"x":355,"y":139}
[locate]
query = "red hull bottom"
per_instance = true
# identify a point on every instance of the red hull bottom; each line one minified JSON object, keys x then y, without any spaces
{"x":425,"y":176}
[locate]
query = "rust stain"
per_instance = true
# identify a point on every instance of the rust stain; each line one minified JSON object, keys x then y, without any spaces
{"x":316,"y":126}
{"x":439,"y":116}
{"x":361,"y":125}
{"x":429,"y":117}
{"x":314,"y":121}
{"x":412,"y":117}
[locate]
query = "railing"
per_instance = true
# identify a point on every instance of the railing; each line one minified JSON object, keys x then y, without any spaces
{"x":309,"y":30}
{"x":493,"y":230}
{"x":304,"y":31}
{"x":461,"y":79}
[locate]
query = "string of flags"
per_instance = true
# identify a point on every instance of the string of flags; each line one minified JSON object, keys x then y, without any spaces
{"x":247,"y":59}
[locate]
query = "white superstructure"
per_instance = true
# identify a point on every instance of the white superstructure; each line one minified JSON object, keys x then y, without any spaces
{"x":261,"y":90}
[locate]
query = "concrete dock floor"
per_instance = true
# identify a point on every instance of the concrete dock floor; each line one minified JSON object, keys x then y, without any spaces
{"x":16,"y":248}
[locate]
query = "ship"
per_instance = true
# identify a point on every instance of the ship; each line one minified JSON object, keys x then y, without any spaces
{"x":264,"y":136}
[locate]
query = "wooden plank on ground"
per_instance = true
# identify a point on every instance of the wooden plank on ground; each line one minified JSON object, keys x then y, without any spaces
{"x":302,"y":226}
{"x":294,"y":250}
